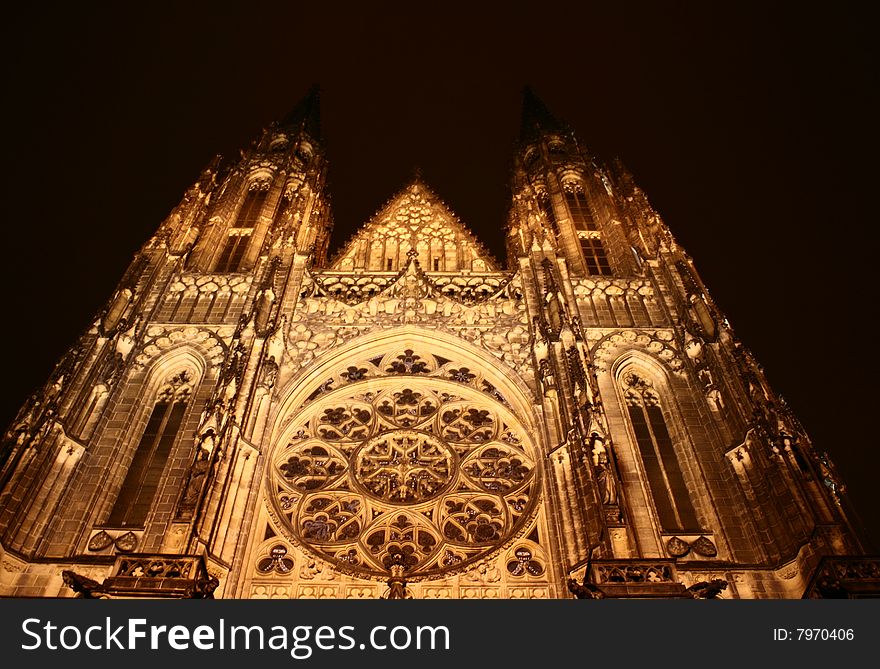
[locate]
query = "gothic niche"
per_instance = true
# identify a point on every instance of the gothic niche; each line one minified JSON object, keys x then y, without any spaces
{"x":418,"y":472}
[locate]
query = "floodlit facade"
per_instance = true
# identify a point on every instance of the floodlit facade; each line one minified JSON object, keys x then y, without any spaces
{"x":250,"y":417}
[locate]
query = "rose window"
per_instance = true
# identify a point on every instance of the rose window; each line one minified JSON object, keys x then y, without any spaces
{"x":421,"y":472}
{"x":404,"y":466}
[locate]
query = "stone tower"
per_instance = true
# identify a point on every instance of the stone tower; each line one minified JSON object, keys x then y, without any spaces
{"x":249,"y":418}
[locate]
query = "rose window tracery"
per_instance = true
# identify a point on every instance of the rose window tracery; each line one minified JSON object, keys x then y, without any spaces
{"x":421,"y":471}
{"x":404,"y":466}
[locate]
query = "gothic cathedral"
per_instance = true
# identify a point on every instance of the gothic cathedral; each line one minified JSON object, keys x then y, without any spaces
{"x":249,"y":417}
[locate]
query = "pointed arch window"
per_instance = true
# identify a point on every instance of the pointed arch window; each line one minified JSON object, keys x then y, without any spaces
{"x":142,"y":480}
{"x":578,"y":207}
{"x":239,"y":236}
{"x":588,"y":233}
{"x":665,"y":480}
{"x":595,"y":258}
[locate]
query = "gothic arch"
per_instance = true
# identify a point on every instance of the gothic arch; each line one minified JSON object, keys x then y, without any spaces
{"x":645,"y":362}
{"x":658,"y":345}
{"x":182,"y":365}
{"x":206,"y":347}
{"x":509,"y":384}
{"x":184,"y":357}
{"x":659,"y":451}
{"x":407,"y":460}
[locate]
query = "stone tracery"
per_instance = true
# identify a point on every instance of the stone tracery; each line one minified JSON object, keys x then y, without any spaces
{"x":405,"y":467}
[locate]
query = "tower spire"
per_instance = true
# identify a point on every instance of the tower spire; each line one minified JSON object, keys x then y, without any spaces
{"x":306,"y":114}
{"x":536,"y":118}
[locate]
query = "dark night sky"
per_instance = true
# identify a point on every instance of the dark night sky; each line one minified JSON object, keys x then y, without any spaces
{"x":752,"y":130}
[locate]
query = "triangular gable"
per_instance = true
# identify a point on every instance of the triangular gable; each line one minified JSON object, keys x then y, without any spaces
{"x":414,"y":219}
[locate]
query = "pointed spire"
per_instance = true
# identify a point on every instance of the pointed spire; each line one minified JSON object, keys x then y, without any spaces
{"x":536,"y":118}
{"x":306,"y":115}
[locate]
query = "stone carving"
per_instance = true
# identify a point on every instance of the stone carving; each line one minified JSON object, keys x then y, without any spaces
{"x":397,"y":584}
{"x":184,"y":576}
{"x":408,"y":362}
{"x":840,"y":578}
{"x":262,"y":591}
{"x":702,"y":545}
{"x":408,"y":472}
{"x":585,"y":590}
{"x":268,"y":373}
{"x":677,"y":547}
{"x":496,"y":324}
{"x":640,"y":572}
{"x":707,"y":589}
{"x":125,"y":542}
{"x":317,"y":592}
{"x":414,"y":220}
{"x":277,"y":561}
{"x":160,"y":339}
{"x":315,"y":569}
{"x":524,"y":563}
{"x":485,"y":573}
{"x":606,"y":476}
{"x":150,"y":567}
{"x":196,"y":477}
{"x":618,"y":302}
{"x":208,"y":284}
{"x":660,"y":344}
{"x":84,"y":587}
{"x":12,"y":567}
{"x":404,"y":466}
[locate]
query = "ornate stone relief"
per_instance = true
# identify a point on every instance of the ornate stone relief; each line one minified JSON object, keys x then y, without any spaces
{"x":208,"y":284}
{"x":592,"y":286}
{"x":406,"y":362}
{"x":497,"y":324}
{"x":263,"y":591}
{"x":124,"y":542}
{"x":276,"y":561}
{"x":700,"y":546}
{"x":414,"y":221}
{"x":634,"y":572}
{"x":353,"y":288}
{"x":161,"y":338}
{"x":658,"y":343}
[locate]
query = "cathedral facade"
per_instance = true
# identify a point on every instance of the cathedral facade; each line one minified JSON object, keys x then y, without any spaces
{"x":249,"y":417}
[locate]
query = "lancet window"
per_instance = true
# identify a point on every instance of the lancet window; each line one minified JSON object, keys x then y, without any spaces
{"x":588,"y":233}
{"x":239,"y":235}
{"x":145,"y":472}
{"x":661,"y":465}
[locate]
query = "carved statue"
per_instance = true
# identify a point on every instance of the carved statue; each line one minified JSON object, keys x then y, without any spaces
{"x":83,"y":586}
{"x":269,"y":373}
{"x":607,"y":486}
{"x":197,"y":475}
{"x":547,"y":379}
{"x":113,"y":367}
{"x":707,"y":589}
{"x":396,"y":584}
{"x":203,"y":588}
{"x":604,"y":472}
{"x":585,"y":590}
